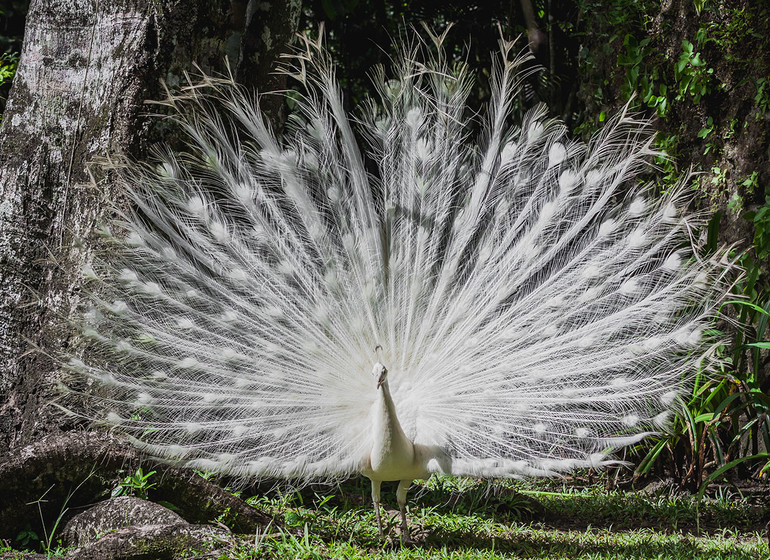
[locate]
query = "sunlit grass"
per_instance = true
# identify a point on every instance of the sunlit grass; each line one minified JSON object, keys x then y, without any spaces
{"x":523,"y":541}
{"x":464,"y":518}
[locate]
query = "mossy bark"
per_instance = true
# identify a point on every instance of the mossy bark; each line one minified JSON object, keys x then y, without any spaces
{"x":722,"y":133}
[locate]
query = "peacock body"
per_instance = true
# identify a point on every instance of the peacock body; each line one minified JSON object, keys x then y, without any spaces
{"x":527,"y":305}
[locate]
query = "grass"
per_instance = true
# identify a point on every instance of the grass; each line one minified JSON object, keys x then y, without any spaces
{"x":466,"y":519}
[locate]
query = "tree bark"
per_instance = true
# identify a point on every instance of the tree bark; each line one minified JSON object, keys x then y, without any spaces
{"x":85,"y":70}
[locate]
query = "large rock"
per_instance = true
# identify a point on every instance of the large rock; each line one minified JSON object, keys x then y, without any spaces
{"x":113,"y":514}
{"x":155,"y":542}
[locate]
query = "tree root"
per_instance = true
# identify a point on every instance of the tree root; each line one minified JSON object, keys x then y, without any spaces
{"x":49,"y":481}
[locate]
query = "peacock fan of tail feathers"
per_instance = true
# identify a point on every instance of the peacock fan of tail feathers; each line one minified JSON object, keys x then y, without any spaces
{"x":393,"y":294}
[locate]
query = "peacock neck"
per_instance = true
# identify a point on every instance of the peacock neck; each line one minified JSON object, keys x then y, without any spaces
{"x":387,"y":405}
{"x":388,"y":431}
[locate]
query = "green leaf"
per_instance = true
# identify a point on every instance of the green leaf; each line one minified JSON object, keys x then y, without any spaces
{"x":726,"y":402}
{"x":292,"y":519}
{"x":649,"y":460}
{"x":723,"y":469}
{"x":746,"y":304}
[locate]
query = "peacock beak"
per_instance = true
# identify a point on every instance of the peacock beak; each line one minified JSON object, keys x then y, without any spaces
{"x":381,"y":372}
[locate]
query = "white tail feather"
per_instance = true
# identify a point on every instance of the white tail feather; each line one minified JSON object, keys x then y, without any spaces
{"x":536,"y":306}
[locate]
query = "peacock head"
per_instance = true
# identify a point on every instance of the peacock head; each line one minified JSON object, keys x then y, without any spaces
{"x":380,"y":373}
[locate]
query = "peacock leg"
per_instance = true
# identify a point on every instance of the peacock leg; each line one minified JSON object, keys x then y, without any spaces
{"x":376,"y":499}
{"x":403,"y":488}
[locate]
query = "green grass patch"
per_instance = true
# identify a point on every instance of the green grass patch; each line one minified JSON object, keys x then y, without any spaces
{"x":465,"y":518}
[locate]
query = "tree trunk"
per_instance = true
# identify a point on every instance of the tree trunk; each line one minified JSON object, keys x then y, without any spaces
{"x":86,"y":68}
